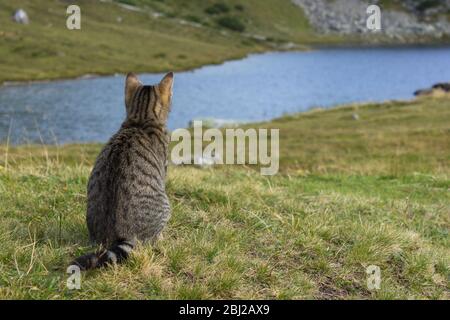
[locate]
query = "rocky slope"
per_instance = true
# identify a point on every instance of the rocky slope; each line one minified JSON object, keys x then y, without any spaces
{"x":401,"y":21}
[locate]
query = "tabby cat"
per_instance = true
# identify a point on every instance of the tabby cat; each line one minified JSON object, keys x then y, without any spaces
{"x":127,"y":201}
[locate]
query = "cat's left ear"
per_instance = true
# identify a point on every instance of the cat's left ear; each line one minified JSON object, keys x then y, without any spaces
{"x":165,"y":88}
{"x":132,"y":83}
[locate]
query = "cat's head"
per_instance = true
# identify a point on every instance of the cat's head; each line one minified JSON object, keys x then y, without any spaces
{"x":148,"y":102}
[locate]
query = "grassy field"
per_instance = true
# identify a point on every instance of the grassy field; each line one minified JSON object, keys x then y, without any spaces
{"x":351,"y":193}
{"x":155,"y":36}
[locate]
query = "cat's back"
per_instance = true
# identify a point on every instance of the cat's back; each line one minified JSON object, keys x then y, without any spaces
{"x":110,"y":162}
{"x":126,"y":190}
{"x":102,"y":189}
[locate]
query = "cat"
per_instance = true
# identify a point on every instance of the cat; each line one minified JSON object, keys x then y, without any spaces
{"x":126,"y":198}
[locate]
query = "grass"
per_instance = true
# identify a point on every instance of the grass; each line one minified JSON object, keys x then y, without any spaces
{"x":276,"y":19}
{"x":115,"y":39}
{"x":45,"y":49}
{"x":393,"y":138}
{"x":352,"y":193}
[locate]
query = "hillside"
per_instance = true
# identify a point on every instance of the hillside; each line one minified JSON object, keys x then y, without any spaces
{"x":153,"y":36}
{"x":160,"y":35}
{"x":352,"y":193}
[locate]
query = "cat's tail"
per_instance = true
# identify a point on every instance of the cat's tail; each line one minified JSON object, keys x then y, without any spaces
{"x":117,"y":253}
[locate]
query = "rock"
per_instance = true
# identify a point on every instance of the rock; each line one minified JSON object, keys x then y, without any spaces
{"x":205,"y":162}
{"x":20,"y":16}
{"x":443,"y":86}
{"x":216,"y":123}
{"x":129,"y":7}
{"x":437,"y":89}
{"x":288,"y":46}
{"x":423,"y":92}
{"x":411,"y":23}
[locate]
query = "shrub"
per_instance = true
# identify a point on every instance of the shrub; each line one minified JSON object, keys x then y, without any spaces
{"x":171,"y":14}
{"x":239,"y":7}
{"x":427,"y":4}
{"x":217,"y":8}
{"x":128,"y":2}
{"x":160,"y":55}
{"x":194,"y":18}
{"x":232,"y":23}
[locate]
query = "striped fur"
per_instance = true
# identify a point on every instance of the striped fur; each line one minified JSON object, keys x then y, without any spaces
{"x":127,"y":201}
{"x":115,"y":254}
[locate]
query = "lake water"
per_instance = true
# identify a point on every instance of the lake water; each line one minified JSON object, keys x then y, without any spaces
{"x":259,"y":87}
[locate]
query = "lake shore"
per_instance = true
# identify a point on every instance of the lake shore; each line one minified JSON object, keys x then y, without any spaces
{"x":102,"y":47}
{"x":351,"y":121}
{"x":349,"y":45}
{"x":88,"y":76}
{"x":300,"y":81}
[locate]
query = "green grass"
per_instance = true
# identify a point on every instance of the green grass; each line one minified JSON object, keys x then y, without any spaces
{"x":393,"y":138}
{"x":114,"y":39}
{"x":350,"y":194}
{"x":275,"y":19}
{"x":45,"y":49}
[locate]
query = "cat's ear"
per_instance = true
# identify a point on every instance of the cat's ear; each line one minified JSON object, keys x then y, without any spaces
{"x":165,"y":88}
{"x":131,"y":85}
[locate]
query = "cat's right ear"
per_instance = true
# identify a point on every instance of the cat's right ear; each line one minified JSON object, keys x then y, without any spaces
{"x":131,"y":85}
